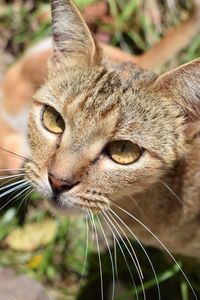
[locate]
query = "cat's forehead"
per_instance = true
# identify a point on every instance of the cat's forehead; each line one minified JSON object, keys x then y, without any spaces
{"x":96,"y":94}
{"x":98,"y":86}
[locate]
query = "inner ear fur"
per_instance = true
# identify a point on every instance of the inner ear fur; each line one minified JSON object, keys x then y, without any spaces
{"x":71,"y":36}
{"x":183,"y":86}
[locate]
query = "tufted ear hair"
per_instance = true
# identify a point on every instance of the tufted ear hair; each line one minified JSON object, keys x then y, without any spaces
{"x":183,"y":86}
{"x":72,"y":38}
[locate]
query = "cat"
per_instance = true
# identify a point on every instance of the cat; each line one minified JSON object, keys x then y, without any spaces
{"x":111,"y":138}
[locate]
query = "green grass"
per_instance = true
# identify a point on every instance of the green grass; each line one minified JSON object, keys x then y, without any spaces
{"x":59,"y":264}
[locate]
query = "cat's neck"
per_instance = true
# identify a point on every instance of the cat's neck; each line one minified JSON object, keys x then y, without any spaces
{"x":180,"y":186}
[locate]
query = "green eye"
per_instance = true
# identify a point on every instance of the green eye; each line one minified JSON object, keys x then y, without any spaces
{"x":124,"y":152}
{"x":52,"y":120}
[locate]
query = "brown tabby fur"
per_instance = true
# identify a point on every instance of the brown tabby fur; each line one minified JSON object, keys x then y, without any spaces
{"x":101,"y":102}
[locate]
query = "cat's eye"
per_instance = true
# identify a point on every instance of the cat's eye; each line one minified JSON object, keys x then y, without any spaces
{"x":52,"y":120}
{"x":124,"y":152}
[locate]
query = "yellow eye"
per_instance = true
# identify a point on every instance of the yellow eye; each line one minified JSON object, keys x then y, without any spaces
{"x":52,"y":120}
{"x":124,"y":152}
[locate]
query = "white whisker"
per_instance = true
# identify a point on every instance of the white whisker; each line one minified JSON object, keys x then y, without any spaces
{"x":11,"y":155}
{"x":115,"y":258}
{"x":171,"y":191}
{"x":4,"y":170}
{"x":13,"y":189}
{"x":161,"y":243}
{"x":21,"y":192}
{"x":111,"y":259}
{"x":10,"y":179}
{"x":135,"y":256}
{"x":12,"y":184}
{"x":5,"y":183}
{"x":11,"y":176}
{"x":136,"y":238}
{"x":29,"y":191}
{"x":138,"y":207}
{"x":134,"y":259}
{"x":86,"y":248}
{"x":2,"y":207}
{"x":14,"y":154}
{"x":98,"y":250}
{"x":109,"y":224}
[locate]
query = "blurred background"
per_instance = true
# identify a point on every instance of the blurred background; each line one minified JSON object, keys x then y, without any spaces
{"x":54,"y":249}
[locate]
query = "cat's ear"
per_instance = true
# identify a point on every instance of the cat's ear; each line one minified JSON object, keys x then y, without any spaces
{"x":72,"y":38}
{"x":183,"y":86}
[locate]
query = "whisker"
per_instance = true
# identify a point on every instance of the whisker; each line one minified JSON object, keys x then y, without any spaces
{"x":29,"y":191}
{"x":134,"y":259}
{"x":20,"y":169}
{"x":134,"y":253}
{"x":15,"y":154}
{"x":142,"y":247}
{"x":138,"y":207}
{"x":11,"y":176}
{"x":2,"y":207}
{"x":171,"y":191}
{"x":21,"y":192}
{"x":12,"y":184}
{"x":86,"y":248}
{"x":111,"y":259}
{"x":13,"y":189}
{"x":10,"y":154}
{"x":33,"y":85}
{"x":5,"y":183}
{"x":164,"y":247}
{"x":108,"y":222}
{"x":98,"y":250}
{"x":115,"y":258}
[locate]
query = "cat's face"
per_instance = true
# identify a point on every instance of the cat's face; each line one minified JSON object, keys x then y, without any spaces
{"x":74,"y":125}
{"x":97,"y":134}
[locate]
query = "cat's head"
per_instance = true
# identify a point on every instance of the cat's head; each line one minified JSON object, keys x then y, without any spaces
{"x":98,"y":133}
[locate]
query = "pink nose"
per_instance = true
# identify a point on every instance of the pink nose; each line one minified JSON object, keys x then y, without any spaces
{"x":59,"y":185}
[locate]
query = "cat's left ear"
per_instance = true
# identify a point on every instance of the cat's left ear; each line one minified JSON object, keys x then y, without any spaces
{"x":72,"y":38}
{"x":183,"y":86}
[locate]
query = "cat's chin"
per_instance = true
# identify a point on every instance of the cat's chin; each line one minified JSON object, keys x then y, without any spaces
{"x":65,"y":210}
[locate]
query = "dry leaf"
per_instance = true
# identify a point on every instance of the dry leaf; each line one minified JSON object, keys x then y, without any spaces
{"x":32,"y":236}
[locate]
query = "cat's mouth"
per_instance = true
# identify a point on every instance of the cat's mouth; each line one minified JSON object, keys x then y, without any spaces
{"x":81,"y":203}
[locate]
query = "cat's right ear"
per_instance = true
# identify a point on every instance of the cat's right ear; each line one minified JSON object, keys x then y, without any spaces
{"x":182,"y":85}
{"x":72,"y":38}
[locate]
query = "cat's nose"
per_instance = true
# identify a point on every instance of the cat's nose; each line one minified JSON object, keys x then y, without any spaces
{"x":59,"y":185}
